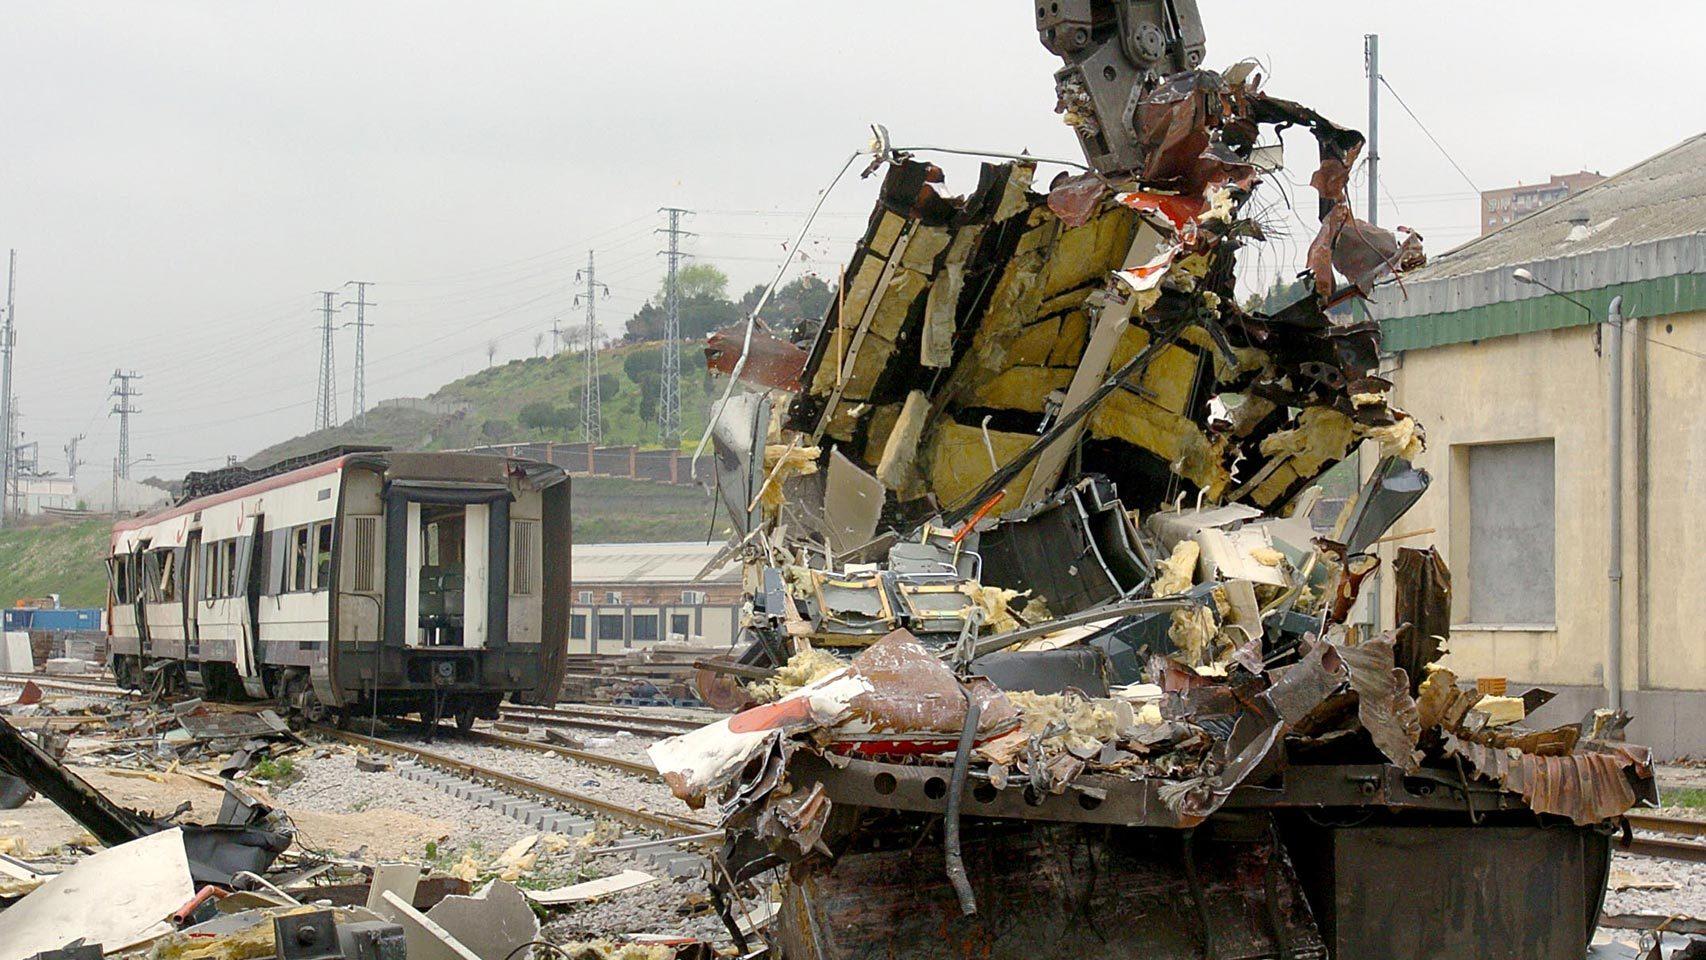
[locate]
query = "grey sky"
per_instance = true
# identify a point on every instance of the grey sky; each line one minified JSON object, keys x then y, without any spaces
{"x":180,"y":177}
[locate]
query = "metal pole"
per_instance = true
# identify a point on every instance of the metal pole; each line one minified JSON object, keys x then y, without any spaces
{"x":1371,"y":52}
{"x":7,"y":337}
{"x":1614,"y":453}
{"x":1365,"y":462}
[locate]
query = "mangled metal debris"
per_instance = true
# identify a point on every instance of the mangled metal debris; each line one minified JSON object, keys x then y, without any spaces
{"x":1091,"y":593}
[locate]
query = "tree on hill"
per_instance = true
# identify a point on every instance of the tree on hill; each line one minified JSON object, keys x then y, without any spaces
{"x":801,"y":302}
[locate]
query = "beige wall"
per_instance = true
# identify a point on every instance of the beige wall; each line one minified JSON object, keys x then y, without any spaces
{"x":1552,"y":384}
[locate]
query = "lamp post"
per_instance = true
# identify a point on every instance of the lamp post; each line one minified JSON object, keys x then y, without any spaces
{"x":1614,"y":453}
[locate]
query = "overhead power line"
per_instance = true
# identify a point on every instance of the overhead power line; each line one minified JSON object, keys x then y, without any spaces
{"x":1424,"y":128}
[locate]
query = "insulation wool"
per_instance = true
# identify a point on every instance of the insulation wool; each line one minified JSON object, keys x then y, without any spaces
{"x":1076,"y":722}
{"x":1178,"y":572}
{"x":808,"y":665}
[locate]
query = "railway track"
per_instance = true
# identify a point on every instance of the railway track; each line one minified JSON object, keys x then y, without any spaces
{"x":643,"y":819}
{"x":80,"y":687}
{"x":635,"y":768}
{"x":589,"y":719}
{"x":1669,"y":846}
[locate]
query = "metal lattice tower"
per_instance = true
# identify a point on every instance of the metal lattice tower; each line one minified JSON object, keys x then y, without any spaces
{"x":72,"y":461}
{"x":358,"y":394}
{"x":124,"y":392}
{"x":8,"y":415}
{"x":592,"y":405}
{"x":326,"y":399}
{"x":669,"y":398}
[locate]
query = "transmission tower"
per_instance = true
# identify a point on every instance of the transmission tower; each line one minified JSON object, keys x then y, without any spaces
{"x":669,"y":399}
{"x":326,"y":399}
{"x":72,"y":462}
{"x":358,"y":396}
{"x":592,"y":410}
{"x":124,"y":393}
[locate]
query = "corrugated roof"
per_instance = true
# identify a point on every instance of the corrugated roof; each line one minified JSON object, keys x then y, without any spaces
{"x":648,"y":563}
{"x":1640,"y":233}
{"x":1661,"y":197}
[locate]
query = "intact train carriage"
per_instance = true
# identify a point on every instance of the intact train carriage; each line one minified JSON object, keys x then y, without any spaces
{"x":364,"y":583}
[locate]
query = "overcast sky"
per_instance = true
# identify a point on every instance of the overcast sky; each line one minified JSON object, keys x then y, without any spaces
{"x":179,"y":178}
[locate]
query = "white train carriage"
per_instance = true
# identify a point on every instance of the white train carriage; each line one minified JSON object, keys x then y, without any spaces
{"x":372,"y":582}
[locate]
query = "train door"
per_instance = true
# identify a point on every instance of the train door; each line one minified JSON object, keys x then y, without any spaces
{"x":451,"y":569}
{"x":195,"y":590}
{"x":246,"y":606}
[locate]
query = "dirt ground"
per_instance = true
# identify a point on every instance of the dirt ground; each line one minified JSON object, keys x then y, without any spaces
{"x":385,"y":833}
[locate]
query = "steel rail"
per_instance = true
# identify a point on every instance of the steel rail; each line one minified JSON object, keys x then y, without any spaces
{"x":643,"y":819}
{"x":1658,"y":823}
{"x":635,"y":768}
{"x":655,"y":726}
{"x":1664,"y":848}
{"x":63,"y":685}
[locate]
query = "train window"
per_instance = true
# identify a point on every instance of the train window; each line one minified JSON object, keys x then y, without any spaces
{"x":232,"y":587}
{"x":323,"y":555}
{"x":645,"y":626}
{"x":299,"y":560}
{"x":209,"y":571}
{"x":168,"y":576}
{"x":121,"y":579}
{"x":523,"y":551}
{"x":577,"y":626}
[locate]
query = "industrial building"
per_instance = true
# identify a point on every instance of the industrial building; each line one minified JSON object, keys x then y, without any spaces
{"x":1513,"y":375}
{"x":632,"y":595}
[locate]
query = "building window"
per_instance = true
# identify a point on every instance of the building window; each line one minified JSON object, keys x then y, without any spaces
{"x":585,"y":596}
{"x":645,"y":626}
{"x":577,"y":626}
{"x":680,"y":625}
{"x":693,"y":597}
{"x":613,"y":596}
{"x":610,"y":626}
{"x":1512,"y":533}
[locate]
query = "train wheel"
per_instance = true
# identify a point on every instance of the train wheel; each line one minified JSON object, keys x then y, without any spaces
{"x":465,"y":715}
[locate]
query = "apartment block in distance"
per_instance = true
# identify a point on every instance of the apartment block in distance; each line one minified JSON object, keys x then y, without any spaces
{"x":1506,"y":205}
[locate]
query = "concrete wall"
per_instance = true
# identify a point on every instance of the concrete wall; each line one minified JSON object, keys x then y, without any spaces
{"x":1553,"y":385}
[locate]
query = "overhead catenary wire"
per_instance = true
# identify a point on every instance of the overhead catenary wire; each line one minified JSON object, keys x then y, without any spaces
{"x":1424,"y":128}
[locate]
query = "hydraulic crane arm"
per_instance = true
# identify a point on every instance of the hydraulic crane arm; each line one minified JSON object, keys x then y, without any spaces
{"x":1115,"y":51}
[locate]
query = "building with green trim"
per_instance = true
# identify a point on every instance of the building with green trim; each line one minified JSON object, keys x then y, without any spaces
{"x":1512,"y":382}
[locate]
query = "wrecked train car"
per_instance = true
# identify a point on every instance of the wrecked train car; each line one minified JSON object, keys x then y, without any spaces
{"x":1043,"y":646}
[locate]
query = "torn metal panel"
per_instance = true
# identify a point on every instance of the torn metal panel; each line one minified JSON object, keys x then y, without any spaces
{"x":770,"y":361}
{"x":1423,"y":603}
{"x":1586,"y":786}
{"x":1384,"y":705}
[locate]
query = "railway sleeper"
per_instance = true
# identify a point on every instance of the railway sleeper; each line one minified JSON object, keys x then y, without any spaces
{"x":542,"y":815}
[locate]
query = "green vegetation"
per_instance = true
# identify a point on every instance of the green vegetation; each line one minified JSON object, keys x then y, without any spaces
{"x":611,"y":510}
{"x":276,"y":774}
{"x":1691,"y":797}
{"x":536,"y":398}
{"x":64,"y":558}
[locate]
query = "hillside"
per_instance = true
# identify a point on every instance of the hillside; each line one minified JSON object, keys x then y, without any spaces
{"x":63,"y":558}
{"x":613,"y":510}
{"x":535,"y":398}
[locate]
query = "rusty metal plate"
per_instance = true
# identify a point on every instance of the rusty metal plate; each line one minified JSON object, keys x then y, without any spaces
{"x":1060,"y":891}
{"x":1491,"y":892}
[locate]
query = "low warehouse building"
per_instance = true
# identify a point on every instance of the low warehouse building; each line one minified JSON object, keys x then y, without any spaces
{"x":632,"y":595}
{"x":1502,"y":348}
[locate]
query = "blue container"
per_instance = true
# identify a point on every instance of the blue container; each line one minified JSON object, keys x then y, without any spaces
{"x":18,"y":618}
{"x":67,"y":619}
